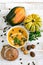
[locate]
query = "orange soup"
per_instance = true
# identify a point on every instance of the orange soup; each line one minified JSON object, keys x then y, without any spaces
{"x":17,"y":36}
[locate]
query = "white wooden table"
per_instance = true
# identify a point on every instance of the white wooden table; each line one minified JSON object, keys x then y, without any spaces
{"x":6,"y":1}
{"x":30,"y":8}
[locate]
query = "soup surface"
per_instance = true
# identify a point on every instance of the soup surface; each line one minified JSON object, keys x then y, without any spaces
{"x":17,"y":36}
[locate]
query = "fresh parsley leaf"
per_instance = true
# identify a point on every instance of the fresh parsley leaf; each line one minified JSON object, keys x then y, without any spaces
{"x":34,"y":35}
{"x":17,"y":41}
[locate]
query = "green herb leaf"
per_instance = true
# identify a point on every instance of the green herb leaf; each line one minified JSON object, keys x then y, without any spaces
{"x":34,"y":35}
{"x":17,"y":41}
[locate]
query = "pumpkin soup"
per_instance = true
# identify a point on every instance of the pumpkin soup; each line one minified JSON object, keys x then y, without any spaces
{"x":17,"y":36}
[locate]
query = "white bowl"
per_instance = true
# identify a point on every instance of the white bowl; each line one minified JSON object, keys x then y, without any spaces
{"x":16,"y":27}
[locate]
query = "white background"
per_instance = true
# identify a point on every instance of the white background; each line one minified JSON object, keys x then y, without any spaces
{"x":32,"y":7}
{"x":5,"y":1}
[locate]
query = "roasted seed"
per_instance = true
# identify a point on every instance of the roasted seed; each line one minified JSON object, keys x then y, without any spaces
{"x":21,"y":62}
{"x":1,"y":35}
{"x":28,"y":63}
{"x":33,"y":63}
{"x":2,"y":41}
{"x":38,"y":43}
{"x":10,"y":34}
{"x":20,"y":31}
{"x":9,"y":8}
{"x":32,"y":54}
{"x":24,"y":39}
{"x":9,"y":27}
{"x":4,"y":17}
{"x":28,"y":47}
{"x":25,"y":52}
{"x":4,"y":31}
{"x":5,"y":28}
{"x":5,"y":34}
{"x":22,"y":49}
{"x":12,"y":29}
{"x":7,"y":23}
{"x":32,"y":46}
{"x":20,"y":58}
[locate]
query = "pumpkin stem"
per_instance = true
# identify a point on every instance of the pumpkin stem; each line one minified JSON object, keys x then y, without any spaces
{"x":32,"y":20}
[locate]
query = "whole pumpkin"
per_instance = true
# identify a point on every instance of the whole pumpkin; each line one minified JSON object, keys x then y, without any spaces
{"x":16,"y":15}
{"x":32,"y":22}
